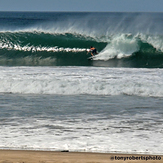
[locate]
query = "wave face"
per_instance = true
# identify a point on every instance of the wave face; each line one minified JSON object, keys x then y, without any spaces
{"x":63,"y":39}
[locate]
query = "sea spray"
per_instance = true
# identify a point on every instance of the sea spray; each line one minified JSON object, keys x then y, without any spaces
{"x":121,"y":39}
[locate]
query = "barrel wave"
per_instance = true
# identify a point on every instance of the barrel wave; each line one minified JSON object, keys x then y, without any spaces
{"x":53,"y":98}
{"x":63,"y":39}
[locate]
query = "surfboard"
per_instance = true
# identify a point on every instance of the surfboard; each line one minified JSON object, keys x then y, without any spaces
{"x":90,"y":58}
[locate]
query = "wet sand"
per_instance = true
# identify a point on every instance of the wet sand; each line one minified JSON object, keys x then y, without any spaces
{"x":22,"y":156}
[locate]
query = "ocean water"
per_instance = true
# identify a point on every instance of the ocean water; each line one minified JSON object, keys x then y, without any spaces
{"x":53,"y":98}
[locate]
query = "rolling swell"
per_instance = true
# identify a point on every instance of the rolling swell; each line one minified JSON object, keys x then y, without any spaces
{"x":24,"y":48}
{"x":45,"y":49}
{"x":63,"y":39}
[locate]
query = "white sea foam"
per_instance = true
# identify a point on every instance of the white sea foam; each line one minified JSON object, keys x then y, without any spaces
{"x":89,"y":133}
{"x":37,"y":48}
{"x":81,"y":80}
{"x":119,"y":46}
{"x":125,"y":45}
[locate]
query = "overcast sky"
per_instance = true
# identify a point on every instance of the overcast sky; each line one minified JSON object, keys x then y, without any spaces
{"x":83,"y":5}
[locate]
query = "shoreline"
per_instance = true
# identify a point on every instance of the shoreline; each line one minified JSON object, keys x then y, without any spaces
{"x":31,"y":156}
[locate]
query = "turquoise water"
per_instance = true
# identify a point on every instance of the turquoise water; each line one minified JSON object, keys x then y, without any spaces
{"x":63,"y":39}
{"x":53,"y":98}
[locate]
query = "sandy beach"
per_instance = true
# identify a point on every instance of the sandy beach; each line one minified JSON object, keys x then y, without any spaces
{"x":22,"y":156}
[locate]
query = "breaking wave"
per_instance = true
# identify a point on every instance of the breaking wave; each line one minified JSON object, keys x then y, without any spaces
{"x":33,"y":48}
{"x":63,"y":39}
{"x":81,"y":80}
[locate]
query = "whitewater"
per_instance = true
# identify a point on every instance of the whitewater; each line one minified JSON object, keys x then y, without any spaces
{"x":81,"y":80}
{"x":53,"y":98}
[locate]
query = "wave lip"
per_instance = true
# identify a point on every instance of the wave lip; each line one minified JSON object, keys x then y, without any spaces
{"x":127,"y":45}
{"x":81,"y":80}
{"x":69,"y":48}
{"x":120,"y":46}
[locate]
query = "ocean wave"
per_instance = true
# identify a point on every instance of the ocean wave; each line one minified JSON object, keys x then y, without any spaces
{"x":117,"y":44}
{"x":127,"y":45}
{"x":14,"y":45}
{"x":81,"y":80}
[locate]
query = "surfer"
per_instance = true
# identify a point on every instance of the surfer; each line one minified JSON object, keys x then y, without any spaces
{"x":93,"y":50}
